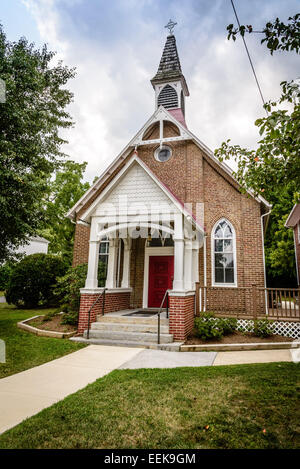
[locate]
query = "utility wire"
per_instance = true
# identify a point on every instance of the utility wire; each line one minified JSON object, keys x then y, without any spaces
{"x":252,"y":66}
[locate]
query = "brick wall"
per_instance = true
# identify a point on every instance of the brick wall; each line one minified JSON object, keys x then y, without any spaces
{"x":193,"y":177}
{"x":81,"y":245}
{"x":181,"y":316}
{"x":113,"y":302}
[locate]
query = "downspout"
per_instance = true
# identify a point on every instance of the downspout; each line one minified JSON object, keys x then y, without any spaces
{"x":264,"y":260}
{"x":204,"y":268}
{"x":297,"y":271}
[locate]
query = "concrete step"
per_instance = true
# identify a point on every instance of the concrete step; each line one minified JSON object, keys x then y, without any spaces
{"x":131,"y":319}
{"x":128,"y":327}
{"x":129,"y":336}
{"x":172,"y":347}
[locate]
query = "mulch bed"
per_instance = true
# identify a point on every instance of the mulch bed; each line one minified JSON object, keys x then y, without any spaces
{"x":54,"y":324}
{"x":237,"y":338}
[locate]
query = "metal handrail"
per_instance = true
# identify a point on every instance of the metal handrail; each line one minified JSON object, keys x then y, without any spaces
{"x":89,"y":313}
{"x":166,"y":295}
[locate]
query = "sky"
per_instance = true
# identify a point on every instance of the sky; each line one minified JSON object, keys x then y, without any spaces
{"x":116,"y":47}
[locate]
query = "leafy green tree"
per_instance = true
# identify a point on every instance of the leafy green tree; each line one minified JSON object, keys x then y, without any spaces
{"x":30,"y":120}
{"x":277,"y":35}
{"x":273,"y":169}
{"x":64,"y":190}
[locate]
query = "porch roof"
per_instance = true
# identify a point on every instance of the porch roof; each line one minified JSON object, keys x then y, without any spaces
{"x":180,"y":206}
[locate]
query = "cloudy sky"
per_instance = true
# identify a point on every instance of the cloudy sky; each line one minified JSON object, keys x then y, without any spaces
{"x":116,"y":46}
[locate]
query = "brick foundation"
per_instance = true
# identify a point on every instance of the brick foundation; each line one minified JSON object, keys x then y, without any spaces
{"x":113,"y":302}
{"x":181,"y":316}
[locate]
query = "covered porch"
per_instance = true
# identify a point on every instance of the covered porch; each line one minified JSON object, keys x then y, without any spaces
{"x":145,"y":258}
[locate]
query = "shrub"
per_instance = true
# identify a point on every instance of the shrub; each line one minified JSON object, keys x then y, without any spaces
{"x":263,"y":328}
{"x":33,"y":280}
{"x":68,"y":290}
{"x":228,"y":325}
{"x":207,"y":327}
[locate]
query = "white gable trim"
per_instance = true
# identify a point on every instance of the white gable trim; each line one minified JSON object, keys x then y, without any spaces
{"x":160,"y":114}
{"x":123,"y":171}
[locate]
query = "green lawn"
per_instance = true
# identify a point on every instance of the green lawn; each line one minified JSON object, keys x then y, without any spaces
{"x":208,"y":407}
{"x":25,"y":350}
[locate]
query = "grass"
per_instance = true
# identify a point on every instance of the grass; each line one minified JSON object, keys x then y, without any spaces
{"x":23,"y":349}
{"x":208,"y":407}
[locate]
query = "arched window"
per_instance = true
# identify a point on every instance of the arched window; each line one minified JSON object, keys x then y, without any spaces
{"x":223,"y":254}
{"x":168,"y":97}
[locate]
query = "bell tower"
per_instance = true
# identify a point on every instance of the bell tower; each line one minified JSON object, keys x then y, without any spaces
{"x":169,"y":83}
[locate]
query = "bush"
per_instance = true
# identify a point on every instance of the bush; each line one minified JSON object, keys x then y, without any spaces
{"x":33,"y":280}
{"x":263,"y":328}
{"x":207,"y":327}
{"x":228,"y":325}
{"x":68,"y":290}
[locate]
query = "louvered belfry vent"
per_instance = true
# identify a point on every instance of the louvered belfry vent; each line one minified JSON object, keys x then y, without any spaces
{"x":168,"y":98}
{"x":169,"y":82}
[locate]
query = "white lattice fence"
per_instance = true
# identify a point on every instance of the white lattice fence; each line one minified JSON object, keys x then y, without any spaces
{"x":286,"y":329}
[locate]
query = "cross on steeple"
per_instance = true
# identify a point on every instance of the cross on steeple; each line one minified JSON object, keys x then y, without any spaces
{"x":170,"y":26}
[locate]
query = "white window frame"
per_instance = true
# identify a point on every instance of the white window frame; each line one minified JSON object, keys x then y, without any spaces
{"x":105,"y":241}
{"x":213,"y":282}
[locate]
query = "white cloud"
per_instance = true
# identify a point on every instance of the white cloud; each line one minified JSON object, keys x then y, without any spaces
{"x":112,"y":94}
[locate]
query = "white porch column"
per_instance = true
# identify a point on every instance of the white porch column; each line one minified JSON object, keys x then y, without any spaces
{"x":92,"y":274}
{"x":195,"y":262}
{"x":188,"y":265}
{"x":178,"y":284}
{"x":111,"y":277}
{"x":126,"y":263}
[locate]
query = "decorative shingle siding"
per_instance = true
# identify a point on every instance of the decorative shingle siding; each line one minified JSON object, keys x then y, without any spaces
{"x":139,"y":188}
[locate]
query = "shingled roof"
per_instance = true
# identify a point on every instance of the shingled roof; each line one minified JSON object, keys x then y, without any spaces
{"x":169,"y":66}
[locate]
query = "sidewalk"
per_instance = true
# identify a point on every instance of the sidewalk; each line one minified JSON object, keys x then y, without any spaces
{"x":27,"y":393}
{"x":162,"y":359}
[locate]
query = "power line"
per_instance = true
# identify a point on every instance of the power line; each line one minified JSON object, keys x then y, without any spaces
{"x":252,"y":66}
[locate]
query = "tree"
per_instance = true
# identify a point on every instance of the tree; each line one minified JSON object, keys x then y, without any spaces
{"x":63,"y":192}
{"x":277,"y":35}
{"x":273,"y":169}
{"x":30,"y":120}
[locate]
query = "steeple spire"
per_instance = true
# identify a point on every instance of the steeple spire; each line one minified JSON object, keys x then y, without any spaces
{"x":169,"y":82}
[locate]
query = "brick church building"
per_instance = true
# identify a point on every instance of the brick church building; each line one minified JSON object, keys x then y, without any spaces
{"x":167,"y":215}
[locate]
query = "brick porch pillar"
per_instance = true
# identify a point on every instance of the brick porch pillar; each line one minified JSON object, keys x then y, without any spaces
{"x":181,"y":314}
{"x":115,"y":300}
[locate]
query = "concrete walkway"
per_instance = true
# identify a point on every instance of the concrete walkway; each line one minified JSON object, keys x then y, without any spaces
{"x":27,"y":393}
{"x":162,"y":359}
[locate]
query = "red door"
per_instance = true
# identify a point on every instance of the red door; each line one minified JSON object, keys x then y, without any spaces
{"x":161,"y":271}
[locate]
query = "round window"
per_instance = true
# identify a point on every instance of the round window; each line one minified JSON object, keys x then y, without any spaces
{"x":163,"y":154}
